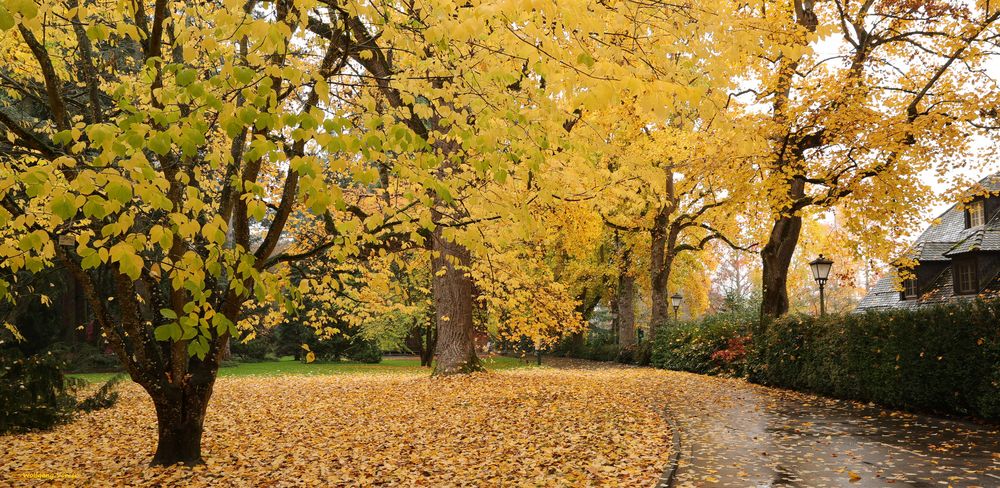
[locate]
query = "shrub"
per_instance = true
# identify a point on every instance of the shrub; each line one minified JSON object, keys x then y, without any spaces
{"x":637,"y":354}
{"x":626,"y":355}
{"x":943,"y":358}
{"x":364,"y":351}
{"x":596,"y":345}
{"x":35,"y":394}
{"x":715,"y":344}
{"x":253,"y":351}
{"x":83,"y":357}
{"x":33,"y":391}
{"x":104,"y":397}
{"x":643,"y":354}
{"x":601,"y":352}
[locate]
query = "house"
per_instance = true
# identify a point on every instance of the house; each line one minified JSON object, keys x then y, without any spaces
{"x":956,"y":258}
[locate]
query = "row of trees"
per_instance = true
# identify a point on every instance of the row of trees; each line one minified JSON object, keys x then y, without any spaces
{"x":384,"y":158}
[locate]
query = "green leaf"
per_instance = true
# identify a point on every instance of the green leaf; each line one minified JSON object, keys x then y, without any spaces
{"x":243,"y":74}
{"x":160,"y":143}
{"x":189,"y":333}
{"x":222,"y":324}
{"x":6,"y":20}
{"x":170,"y":314}
{"x":120,"y":191}
{"x":64,"y":205}
{"x":62,"y":137}
{"x":186,"y":76}
{"x":27,"y":8}
{"x":167,"y":331}
{"x":91,"y":261}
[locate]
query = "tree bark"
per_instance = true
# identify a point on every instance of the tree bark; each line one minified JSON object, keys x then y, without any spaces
{"x":452,"y":290}
{"x":180,"y":416}
{"x":659,"y":273}
{"x":625,"y":302}
{"x":776,"y":257}
{"x":663,"y":239}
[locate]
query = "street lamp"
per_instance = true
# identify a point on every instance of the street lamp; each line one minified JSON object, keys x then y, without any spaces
{"x":675,"y":300}
{"x":821,"y":271}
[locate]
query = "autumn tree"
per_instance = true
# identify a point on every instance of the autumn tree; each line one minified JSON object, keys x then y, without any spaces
{"x":166,"y":145}
{"x":687,"y":194}
{"x":864,"y":99}
{"x":736,"y":278}
{"x":497,"y":95}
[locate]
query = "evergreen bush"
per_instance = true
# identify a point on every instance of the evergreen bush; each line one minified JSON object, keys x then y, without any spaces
{"x":942,"y":358}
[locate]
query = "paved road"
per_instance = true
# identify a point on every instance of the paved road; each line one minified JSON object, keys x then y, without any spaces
{"x":742,"y":435}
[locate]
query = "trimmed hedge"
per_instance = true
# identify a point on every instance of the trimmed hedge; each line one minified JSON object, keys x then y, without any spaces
{"x":943,"y":358}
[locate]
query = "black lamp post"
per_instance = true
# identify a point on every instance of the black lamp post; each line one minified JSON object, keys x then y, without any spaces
{"x":821,"y":271}
{"x":675,"y":300}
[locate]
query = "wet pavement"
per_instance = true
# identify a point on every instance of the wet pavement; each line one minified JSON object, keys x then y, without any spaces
{"x":742,"y":435}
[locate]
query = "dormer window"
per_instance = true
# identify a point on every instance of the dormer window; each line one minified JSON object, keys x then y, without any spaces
{"x":909,"y":288}
{"x":965,"y":277}
{"x":977,"y":214}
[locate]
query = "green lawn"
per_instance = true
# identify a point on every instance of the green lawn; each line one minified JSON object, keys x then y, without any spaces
{"x":289,"y":366}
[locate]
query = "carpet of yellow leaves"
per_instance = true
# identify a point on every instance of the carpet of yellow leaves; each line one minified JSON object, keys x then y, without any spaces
{"x":529,"y":427}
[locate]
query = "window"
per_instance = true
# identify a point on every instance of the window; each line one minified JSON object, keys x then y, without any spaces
{"x":910,"y":288}
{"x":965,"y":277}
{"x":977,"y":214}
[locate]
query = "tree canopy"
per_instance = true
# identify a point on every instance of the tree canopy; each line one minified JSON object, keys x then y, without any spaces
{"x":499,"y":166}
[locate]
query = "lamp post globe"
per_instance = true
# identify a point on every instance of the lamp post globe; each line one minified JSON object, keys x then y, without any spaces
{"x":675,"y":300}
{"x":821,"y":267}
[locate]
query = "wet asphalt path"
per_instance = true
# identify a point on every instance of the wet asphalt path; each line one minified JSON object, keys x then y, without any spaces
{"x":736,"y":434}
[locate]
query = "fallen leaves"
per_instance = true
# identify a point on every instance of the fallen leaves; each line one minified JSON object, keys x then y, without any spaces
{"x":516,"y":428}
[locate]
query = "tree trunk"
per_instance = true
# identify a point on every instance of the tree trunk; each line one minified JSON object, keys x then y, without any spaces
{"x":777,"y":256}
{"x":626,"y":309}
{"x":659,"y":274}
{"x":663,"y":238}
{"x":180,"y":417}
{"x":452,"y":290}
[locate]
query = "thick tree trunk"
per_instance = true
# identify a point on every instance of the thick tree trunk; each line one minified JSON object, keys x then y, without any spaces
{"x":659,"y":276}
{"x":180,"y":417}
{"x":625,"y":302}
{"x":452,"y":290}
{"x":777,"y":256}
{"x":663,"y":239}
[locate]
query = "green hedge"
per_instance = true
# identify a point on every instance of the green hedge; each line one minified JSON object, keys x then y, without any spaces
{"x":715,"y":344}
{"x":943,"y":358}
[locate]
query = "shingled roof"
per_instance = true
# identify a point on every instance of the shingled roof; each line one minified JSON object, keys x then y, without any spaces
{"x":944,"y":239}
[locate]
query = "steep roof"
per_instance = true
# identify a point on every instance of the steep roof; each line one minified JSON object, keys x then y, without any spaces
{"x":985,"y":238}
{"x":942,"y":240}
{"x":884,"y":295}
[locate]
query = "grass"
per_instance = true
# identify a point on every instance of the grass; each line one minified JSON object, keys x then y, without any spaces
{"x":288,"y":366}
